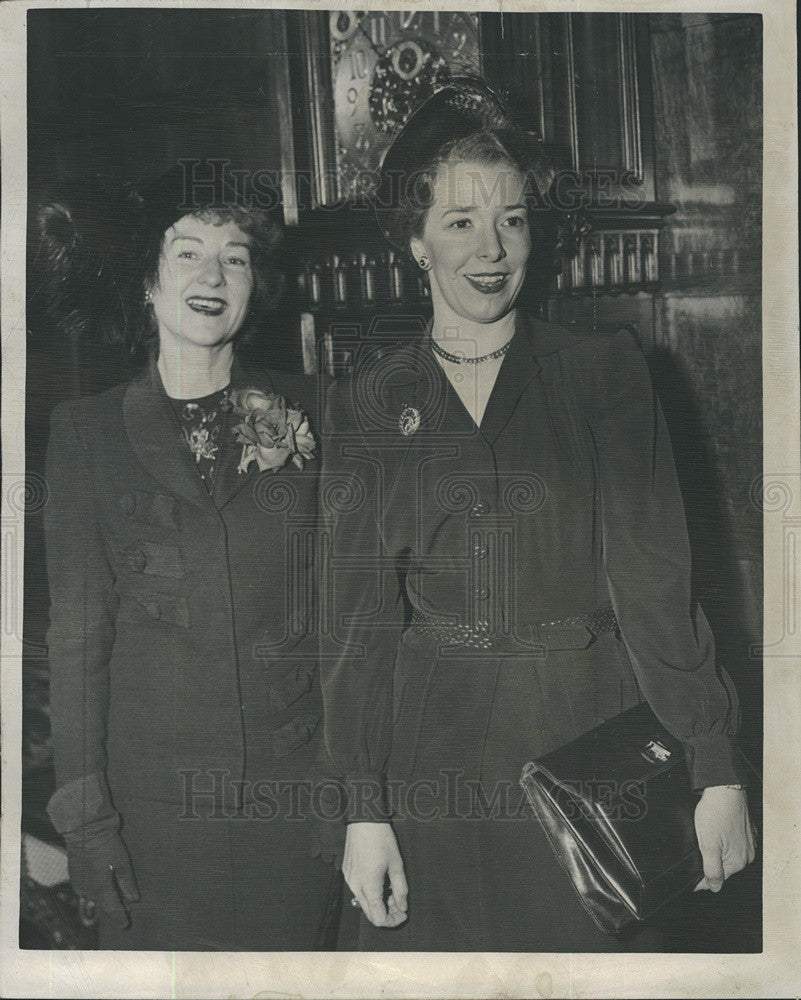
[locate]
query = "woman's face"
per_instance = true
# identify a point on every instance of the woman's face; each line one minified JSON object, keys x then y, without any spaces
{"x":477,"y":239}
{"x":204,"y":284}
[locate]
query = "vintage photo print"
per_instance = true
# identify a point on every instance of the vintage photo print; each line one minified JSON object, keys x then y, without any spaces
{"x":400,"y":494}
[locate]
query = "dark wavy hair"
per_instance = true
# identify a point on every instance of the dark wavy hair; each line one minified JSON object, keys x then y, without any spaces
{"x":99,"y":253}
{"x":519,"y":149}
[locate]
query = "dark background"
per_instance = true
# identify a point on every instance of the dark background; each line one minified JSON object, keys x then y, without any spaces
{"x":125,"y":93}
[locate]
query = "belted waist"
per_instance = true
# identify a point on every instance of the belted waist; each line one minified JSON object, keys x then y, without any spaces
{"x":576,"y":632}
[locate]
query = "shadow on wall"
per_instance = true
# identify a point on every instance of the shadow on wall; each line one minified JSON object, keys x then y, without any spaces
{"x":725,"y":538}
{"x":724,"y":562}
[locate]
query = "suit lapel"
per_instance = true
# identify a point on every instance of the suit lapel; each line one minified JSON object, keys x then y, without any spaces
{"x":421,"y":386}
{"x":410,"y":385}
{"x":516,"y":373}
{"x":424,"y":385}
{"x":157,"y":440}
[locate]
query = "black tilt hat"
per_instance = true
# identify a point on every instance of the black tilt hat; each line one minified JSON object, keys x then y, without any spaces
{"x":464,"y":106}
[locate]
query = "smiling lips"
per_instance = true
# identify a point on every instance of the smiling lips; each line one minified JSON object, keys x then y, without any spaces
{"x":211,"y":306}
{"x":490,"y":283}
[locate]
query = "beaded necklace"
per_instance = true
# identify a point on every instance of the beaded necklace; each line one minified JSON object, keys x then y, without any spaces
{"x":459,"y":360}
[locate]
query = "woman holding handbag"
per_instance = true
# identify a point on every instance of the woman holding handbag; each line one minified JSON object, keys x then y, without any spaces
{"x":509,"y":567}
{"x":184,"y":695}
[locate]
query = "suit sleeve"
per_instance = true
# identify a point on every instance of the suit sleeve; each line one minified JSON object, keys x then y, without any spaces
{"x":82,"y":607}
{"x":646,"y":556}
{"x":364,"y":612}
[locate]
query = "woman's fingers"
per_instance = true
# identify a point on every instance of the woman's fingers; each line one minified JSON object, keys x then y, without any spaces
{"x":752,"y":837}
{"x":735,"y":858}
{"x":714,"y":874}
{"x":397,"y":882}
{"x":719,"y":866}
{"x":399,"y":890}
{"x":369,"y":899}
{"x":109,"y":903}
{"x":379,"y":914}
{"x":725,"y":835}
{"x":396,"y":914}
{"x":372,"y":899}
{"x":739,"y":851}
{"x":122,"y":872}
{"x":364,"y":868}
{"x":371,"y":854}
{"x":354,"y":881}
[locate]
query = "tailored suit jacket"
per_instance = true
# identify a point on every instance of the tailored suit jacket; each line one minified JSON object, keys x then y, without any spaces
{"x":180,"y":636}
{"x":563,"y":501}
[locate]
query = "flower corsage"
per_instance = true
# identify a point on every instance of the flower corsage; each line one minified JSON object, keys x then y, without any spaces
{"x":271,"y":433}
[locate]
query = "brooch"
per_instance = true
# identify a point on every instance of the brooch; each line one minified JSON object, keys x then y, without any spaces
{"x":409,"y":420}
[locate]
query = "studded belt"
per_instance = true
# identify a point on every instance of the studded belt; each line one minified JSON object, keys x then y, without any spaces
{"x":576,"y":632}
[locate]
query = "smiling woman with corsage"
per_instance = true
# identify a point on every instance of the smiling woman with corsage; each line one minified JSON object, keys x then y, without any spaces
{"x":509,"y":569}
{"x":184,"y":694}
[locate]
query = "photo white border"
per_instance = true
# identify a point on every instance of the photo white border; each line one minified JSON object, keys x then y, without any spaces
{"x":774,"y":973}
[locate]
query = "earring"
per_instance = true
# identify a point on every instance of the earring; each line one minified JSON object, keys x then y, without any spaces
{"x":148,"y":297}
{"x":424,"y":263}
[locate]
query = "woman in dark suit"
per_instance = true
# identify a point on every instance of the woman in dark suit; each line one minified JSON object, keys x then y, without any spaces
{"x":184,"y":693}
{"x":509,"y":568}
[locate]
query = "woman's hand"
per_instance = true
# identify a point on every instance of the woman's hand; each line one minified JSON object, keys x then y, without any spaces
{"x":725,"y":834}
{"x":100,"y":870}
{"x":371,"y":853}
{"x":99,"y":865}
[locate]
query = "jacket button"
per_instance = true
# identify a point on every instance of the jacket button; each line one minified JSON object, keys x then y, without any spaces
{"x":153,"y":608}
{"x":127,"y":503}
{"x":479,"y":509}
{"x":137,"y":559}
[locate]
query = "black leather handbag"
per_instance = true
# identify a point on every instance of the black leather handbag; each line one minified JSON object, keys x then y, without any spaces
{"x":618,"y":808}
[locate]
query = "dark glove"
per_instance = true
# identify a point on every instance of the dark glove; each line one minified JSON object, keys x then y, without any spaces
{"x":99,"y":866}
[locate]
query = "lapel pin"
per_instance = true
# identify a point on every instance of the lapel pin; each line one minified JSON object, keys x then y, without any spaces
{"x":409,"y":420}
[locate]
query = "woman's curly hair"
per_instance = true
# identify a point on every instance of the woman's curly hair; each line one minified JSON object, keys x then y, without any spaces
{"x":99,"y":251}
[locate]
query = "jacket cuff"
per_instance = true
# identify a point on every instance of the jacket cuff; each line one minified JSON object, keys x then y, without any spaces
{"x":716,"y":761}
{"x":81,"y":802}
{"x":367,"y":800}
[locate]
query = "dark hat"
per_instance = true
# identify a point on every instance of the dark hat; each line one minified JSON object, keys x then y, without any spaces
{"x":464,"y":106}
{"x":188,"y":188}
